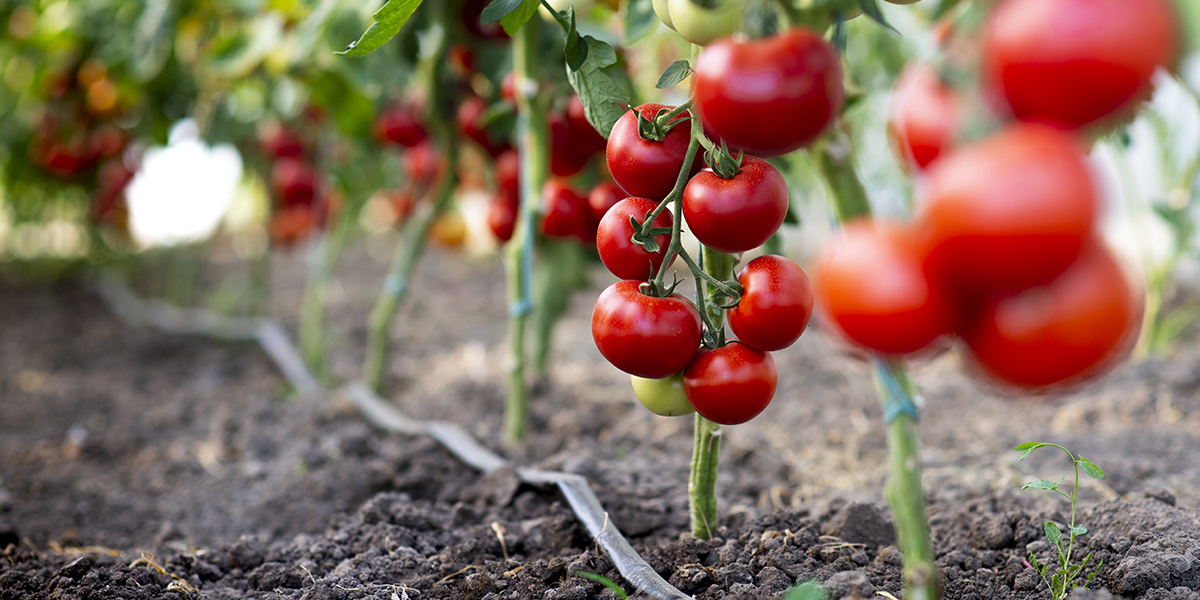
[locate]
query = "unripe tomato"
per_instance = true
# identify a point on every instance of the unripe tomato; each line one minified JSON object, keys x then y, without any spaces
{"x":872,"y":285}
{"x":565,"y":213}
{"x":663,"y":396}
{"x":663,"y":11}
{"x":645,"y":335}
{"x":614,"y":242}
{"x":923,"y":121}
{"x":399,"y":124}
{"x":1008,"y":212}
{"x":642,"y":167}
{"x":1073,"y":329}
{"x":295,"y":181}
{"x":1072,"y":62}
{"x":769,"y":96}
{"x":776,"y":304}
{"x":502,"y":217}
{"x":700,"y":25}
{"x":731,"y":384}
{"x":738,"y":214}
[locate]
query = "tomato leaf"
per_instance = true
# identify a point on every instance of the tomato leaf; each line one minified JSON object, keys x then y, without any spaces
{"x":1090,"y":468}
{"x":673,"y":74}
{"x":515,"y":20}
{"x":1053,"y":533}
{"x":576,"y":48}
{"x":1041,"y":484}
{"x":875,"y":13}
{"x":389,"y":20}
{"x":1079,"y":530}
{"x":498,"y":9}
{"x":603,"y":100}
{"x":638,"y":19}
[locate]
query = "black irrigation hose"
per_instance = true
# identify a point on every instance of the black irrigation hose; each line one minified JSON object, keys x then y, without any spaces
{"x":274,"y":340}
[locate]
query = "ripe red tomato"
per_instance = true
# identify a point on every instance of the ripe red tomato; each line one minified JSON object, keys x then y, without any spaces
{"x":565,"y":213}
{"x":1073,"y":329}
{"x":470,"y":123}
{"x":603,"y":197}
{"x":508,"y":174}
{"x":776,"y":304}
{"x":1073,"y":62}
{"x":923,"y":121}
{"x":277,"y":141}
{"x":769,"y":96}
{"x":502,"y":217}
{"x":565,"y":157}
{"x":731,"y":384}
{"x":399,"y":124}
{"x":295,"y":181}
{"x":614,"y":242}
{"x":642,"y":167}
{"x":422,"y":163}
{"x":584,"y":137}
{"x":738,"y":214}
{"x":1008,"y":212}
{"x":644,"y":335}
{"x":871,"y":284}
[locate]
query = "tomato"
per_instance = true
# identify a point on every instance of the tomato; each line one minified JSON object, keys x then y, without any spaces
{"x":776,"y":304}
{"x":645,"y":335}
{"x":470,"y":123}
{"x":731,"y":384}
{"x":508,"y":174}
{"x":700,"y":25}
{"x":603,"y":197}
{"x":403,"y":203}
{"x":508,"y":86}
{"x":662,"y":396}
{"x":1073,"y":329}
{"x":450,"y":229}
{"x":923,"y":121}
{"x":502,"y":217}
{"x":422,"y":163}
{"x":872,"y":285}
{"x":1008,"y":212}
{"x":472,"y":10}
{"x":107,"y":140}
{"x":295,"y":181}
{"x":769,"y":96}
{"x":738,"y":214}
{"x":663,"y":11}
{"x":565,"y":213}
{"x":399,"y":124}
{"x":291,"y":224}
{"x":565,"y":157}
{"x":642,"y":167}
{"x":614,"y":242}
{"x":584,"y":137}
{"x":1073,"y":62}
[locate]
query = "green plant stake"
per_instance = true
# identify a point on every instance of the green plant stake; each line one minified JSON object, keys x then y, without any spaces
{"x":1062,"y":580}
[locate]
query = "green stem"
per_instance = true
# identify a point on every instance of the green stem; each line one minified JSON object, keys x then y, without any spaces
{"x":702,"y":482}
{"x":905,"y":493}
{"x":534,"y":134}
{"x":395,"y":285}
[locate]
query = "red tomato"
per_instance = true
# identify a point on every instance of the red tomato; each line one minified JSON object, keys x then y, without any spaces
{"x":508,"y":174}
{"x":642,"y":167}
{"x":502,"y":217}
{"x":399,"y":124}
{"x":107,"y":140}
{"x":776,"y":304}
{"x":923,"y":120}
{"x":645,"y":335}
{"x":470,"y":123}
{"x":508,"y":86}
{"x":1008,"y":212}
{"x":738,"y":214}
{"x":731,"y":384}
{"x":471,"y":12}
{"x":584,"y":137}
{"x":871,"y":284}
{"x":565,"y":157}
{"x":565,"y":213}
{"x":1073,"y":62}
{"x":614,"y":242}
{"x":291,"y":224}
{"x":403,"y":203}
{"x":422,"y":163}
{"x":603,"y":197}
{"x":295,"y":181}
{"x":768,"y":96}
{"x":1073,"y":329}
{"x":277,"y":141}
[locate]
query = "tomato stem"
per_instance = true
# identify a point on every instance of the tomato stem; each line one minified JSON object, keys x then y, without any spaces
{"x":702,"y":482}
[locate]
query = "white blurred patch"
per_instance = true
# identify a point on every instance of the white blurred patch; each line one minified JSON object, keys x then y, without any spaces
{"x":182,"y":191}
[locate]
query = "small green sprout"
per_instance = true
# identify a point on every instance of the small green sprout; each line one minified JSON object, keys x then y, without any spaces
{"x":610,"y":584}
{"x":809,"y":590}
{"x":1061,"y":581}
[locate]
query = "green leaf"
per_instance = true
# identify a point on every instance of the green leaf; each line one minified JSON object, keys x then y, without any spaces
{"x":809,"y":590}
{"x":608,"y":583}
{"x":389,"y":20}
{"x":515,"y":20}
{"x":639,"y":20}
{"x":575,"y":50}
{"x":603,"y":100}
{"x":673,"y":74}
{"x":498,"y":9}
{"x":1189,"y":12}
{"x":1028,"y":446}
{"x":1041,"y":484}
{"x":1079,"y":530}
{"x":875,"y":13}
{"x":1053,"y":533}
{"x":1090,"y":468}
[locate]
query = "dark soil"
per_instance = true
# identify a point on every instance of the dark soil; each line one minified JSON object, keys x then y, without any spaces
{"x":116,"y":441}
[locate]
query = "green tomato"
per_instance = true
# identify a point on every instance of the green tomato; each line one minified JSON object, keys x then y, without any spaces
{"x":663,"y":12}
{"x":700,"y":25}
{"x":662,"y":396}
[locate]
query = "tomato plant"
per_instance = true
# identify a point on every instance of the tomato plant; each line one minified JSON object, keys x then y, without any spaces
{"x":646,"y":167}
{"x":731,"y":384}
{"x":645,"y":335}
{"x":923,"y":121}
{"x":776,"y":303}
{"x":614,"y":240}
{"x":663,"y":396}
{"x":736,"y":214}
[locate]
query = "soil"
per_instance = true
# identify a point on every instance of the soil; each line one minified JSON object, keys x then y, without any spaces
{"x":139,"y":464}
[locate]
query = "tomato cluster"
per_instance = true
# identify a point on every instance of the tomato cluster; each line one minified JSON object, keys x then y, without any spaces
{"x":1004,"y":252}
{"x":300,"y":201}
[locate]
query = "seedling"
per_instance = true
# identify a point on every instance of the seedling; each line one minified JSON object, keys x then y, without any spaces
{"x":809,"y":590}
{"x":608,"y":583}
{"x":1061,"y":581}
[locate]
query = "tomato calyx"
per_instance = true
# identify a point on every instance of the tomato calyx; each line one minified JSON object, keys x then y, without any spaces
{"x":656,"y":129}
{"x":721,"y":160}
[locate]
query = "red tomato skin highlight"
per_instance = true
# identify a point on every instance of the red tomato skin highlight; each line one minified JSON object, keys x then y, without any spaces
{"x":644,"y":335}
{"x":614,"y":241}
{"x":731,"y":384}
{"x":738,"y":214}
{"x":776,"y":304}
